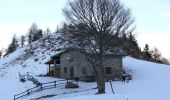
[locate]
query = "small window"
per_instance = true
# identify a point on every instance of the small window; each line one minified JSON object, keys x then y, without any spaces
{"x":84,"y":70}
{"x":65,"y":69}
{"x":108,"y":70}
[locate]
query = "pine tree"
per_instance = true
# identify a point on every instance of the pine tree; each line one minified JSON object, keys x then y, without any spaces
{"x":132,"y":47}
{"x":34,"y":33}
{"x":133,"y":41}
{"x":147,"y":52}
{"x":13,"y":46}
{"x":0,"y":54}
{"x":37,"y":35}
{"x":22,"y":41}
{"x":29,"y":38}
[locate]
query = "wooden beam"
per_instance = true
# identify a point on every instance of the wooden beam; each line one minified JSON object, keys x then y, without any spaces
{"x":54,"y":67}
{"x":49,"y":68}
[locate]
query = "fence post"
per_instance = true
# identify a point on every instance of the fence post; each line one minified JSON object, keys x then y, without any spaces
{"x":55,"y":83}
{"x":14,"y":97}
{"x":28,"y":92}
{"x":67,"y":80}
{"x":111,"y":86}
{"x":41,"y":88}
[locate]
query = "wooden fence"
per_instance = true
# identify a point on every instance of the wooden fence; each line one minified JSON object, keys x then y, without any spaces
{"x":41,"y":87}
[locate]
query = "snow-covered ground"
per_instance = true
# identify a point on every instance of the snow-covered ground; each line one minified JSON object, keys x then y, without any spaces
{"x":150,"y":80}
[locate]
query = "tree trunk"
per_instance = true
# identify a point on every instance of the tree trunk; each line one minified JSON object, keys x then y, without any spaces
{"x":101,"y":74}
{"x":100,"y":82}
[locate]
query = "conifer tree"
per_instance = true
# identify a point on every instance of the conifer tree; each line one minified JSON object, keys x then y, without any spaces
{"x":22,"y":41}
{"x":13,"y":45}
{"x":0,"y":54}
{"x":147,"y":52}
{"x":34,"y":33}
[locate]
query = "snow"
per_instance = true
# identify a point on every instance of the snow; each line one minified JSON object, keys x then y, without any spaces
{"x":150,"y":80}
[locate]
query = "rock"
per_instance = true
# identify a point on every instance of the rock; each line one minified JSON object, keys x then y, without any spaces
{"x":71,"y":85}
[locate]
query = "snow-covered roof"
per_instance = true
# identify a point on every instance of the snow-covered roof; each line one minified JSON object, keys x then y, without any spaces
{"x":114,"y":52}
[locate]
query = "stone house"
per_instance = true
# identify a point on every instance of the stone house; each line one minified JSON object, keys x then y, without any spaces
{"x":70,"y":63}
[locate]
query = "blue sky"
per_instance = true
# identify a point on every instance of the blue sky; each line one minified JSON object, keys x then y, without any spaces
{"x":152,"y":19}
{"x":16,"y":16}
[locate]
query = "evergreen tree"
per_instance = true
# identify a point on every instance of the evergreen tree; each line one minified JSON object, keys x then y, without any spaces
{"x":37,"y":35}
{"x":132,"y":47}
{"x":146,"y":48}
{"x":13,"y":46}
{"x":29,"y":38}
{"x":133,"y":41}
{"x":34,"y":33}
{"x":22,"y":41}
{"x":147,"y":52}
{"x":0,"y":54}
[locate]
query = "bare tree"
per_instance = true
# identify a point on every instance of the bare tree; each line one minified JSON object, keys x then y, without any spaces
{"x":47,"y":32}
{"x":156,"y":54}
{"x":164,"y":60}
{"x":93,"y":26}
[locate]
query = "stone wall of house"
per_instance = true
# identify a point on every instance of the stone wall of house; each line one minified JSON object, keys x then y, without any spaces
{"x":82,"y":68}
{"x":116,"y":66}
{"x":76,"y":60}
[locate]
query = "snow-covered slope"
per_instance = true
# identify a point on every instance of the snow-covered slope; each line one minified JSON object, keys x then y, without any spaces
{"x":150,"y":80}
{"x":28,"y":59}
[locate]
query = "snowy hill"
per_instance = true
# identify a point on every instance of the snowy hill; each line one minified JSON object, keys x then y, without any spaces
{"x":150,"y":80}
{"x":28,"y":59}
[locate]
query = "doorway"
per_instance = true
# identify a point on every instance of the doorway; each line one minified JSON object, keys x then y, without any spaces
{"x":71,"y":72}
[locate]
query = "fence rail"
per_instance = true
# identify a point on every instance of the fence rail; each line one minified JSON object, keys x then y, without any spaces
{"x":43,"y":86}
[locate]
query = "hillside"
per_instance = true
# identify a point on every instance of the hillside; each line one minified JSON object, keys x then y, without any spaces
{"x":150,"y":80}
{"x":31,"y":58}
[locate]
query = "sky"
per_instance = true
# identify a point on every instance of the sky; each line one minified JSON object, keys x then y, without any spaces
{"x":152,"y":19}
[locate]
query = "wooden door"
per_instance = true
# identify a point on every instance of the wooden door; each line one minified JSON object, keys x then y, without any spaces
{"x":57,"y":72}
{"x":71,"y":72}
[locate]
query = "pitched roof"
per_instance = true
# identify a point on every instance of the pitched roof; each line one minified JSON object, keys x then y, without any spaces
{"x":113,"y":52}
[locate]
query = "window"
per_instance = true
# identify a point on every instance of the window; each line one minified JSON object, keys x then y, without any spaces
{"x":65,"y":69}
{"x":84,"y":70}
{"x":108,"y":70}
